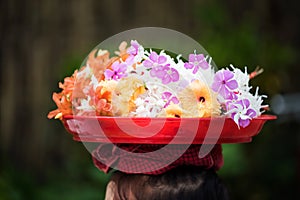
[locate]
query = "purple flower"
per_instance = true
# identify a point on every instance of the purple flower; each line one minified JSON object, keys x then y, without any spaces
{"x":196,"y":61}
{"x":118,"y":72}
{"x":165,"y":73}
{"x":224,"y":83}
{"x":135,"y":51}
{"x":154,"y":60}
{"x":161,"y":70}
{"x":134,"y":48}
{"x":171,"y":75}
{"x":241,"y":112}
{"x":158,"y":72}
{"x":169,"y":97}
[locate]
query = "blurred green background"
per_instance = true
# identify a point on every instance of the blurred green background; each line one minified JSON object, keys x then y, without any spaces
{"x":44,"y":41}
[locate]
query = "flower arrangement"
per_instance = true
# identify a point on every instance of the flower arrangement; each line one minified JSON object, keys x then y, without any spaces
{"x":139,"y":82}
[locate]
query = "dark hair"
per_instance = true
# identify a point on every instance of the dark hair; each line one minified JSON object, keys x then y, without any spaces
{"x":185,"y":182}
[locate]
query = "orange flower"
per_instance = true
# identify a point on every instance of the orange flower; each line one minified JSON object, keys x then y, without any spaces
{"x":75,"y":88}
{"x":101,"y":100}
{"x":105,"y":89}
{"x":63,"y":100}
{"x":172,"y":110}
{"x":80,"y":82}
{"x":64,"y":106}
{"x":103,"y":108}
{"x":68,"y":85}
{"x":122,"y":50}
{"x":98,"y":61}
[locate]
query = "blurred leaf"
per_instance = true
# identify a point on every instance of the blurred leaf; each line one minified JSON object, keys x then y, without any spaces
{"x":234,"y":160}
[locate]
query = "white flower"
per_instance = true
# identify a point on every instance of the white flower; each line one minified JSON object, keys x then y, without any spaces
{"x":149,"y":104}
{"x":242,"y":78}
{"x":255,"y":101}
{"x":94,"y":82}
{"x":85,"y":105}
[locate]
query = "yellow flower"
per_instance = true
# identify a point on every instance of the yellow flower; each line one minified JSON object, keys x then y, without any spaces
{"x":198,"y":100}
{"x":126,"y":92}
{"x":105,"y":89}
{"x":172,"y":110}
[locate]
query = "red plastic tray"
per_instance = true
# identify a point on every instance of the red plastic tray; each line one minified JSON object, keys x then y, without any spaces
{"x":161,"y":130}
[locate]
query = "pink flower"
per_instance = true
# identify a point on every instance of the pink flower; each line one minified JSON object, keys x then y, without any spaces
{"x":154,"y":60}
{"x":165,"y":73}
{"x":118,"y":72}
{"x":196,"y":61}
{"x":161,"y":70}
{"x":171,"y":75}
{"x":134,"y":48}
{"x":135,"y":51}
{"x":224,"y":83}
{"x":169,"y":97}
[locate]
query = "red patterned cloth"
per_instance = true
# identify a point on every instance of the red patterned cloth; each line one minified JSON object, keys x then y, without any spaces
{"x":134,"y":159}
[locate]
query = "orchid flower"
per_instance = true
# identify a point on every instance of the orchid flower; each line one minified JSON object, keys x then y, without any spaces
{"x":118,"y":71}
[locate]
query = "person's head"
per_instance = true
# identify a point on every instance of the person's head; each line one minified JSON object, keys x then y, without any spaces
{"x":184,"y":182}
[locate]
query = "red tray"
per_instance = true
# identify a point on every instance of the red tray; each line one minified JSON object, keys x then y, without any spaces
{"x":161,"y":130}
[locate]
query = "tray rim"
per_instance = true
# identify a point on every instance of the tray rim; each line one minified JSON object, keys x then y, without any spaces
{"x":163,"y":140}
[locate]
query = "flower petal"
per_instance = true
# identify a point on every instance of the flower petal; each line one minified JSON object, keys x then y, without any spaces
{"x":251,"y":113}
{"x":161,"y":59}
{"x":122,"y":67}
{"x":160,"y":73}
{"x":115,"y":65}
{"x":227,"y":75}
{"x":236,"y":118}
{"x":166,"y":95}
{"x":175,"y":100}
{"x":132,"y":51}
{"x":175,"y":75}
{"x":232,"y":84}
{"x":200,"y":57}
{"x":223,"y":92}
{"x":130,"y":60}
{"x":219,"y":76}
{"x":244,"y":123}
{"x":215,"y":86}
{"x":108,"y":73}
{"x":204,"y":64}
{"x":135,"y":44}
{"x":246,"y":103}
{"x":153,"y":56}
{"x":167,"y":79}
{"x":188,"y":65}
{"x":147,"y":63}
{"x":196,"y":68}
{"x":192,"y":58}
{"x":153,"y":72}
